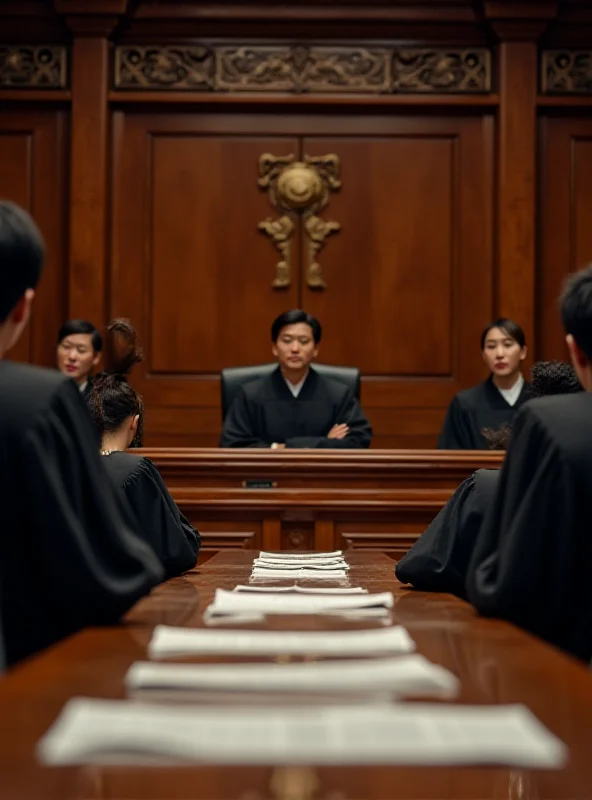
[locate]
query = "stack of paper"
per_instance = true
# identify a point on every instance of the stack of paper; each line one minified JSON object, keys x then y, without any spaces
{"x":110,"y":731}
{"x":301,"y":589}
{"x":300,"y":565}
{"x":226,"y":602}
{"x":407,"y":675}
{"x":168,"y":642}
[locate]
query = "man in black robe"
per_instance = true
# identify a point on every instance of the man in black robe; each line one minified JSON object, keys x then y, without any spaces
{"x":295,"y":406}
{"x":79,"y":351}
{"x":493,"y":404}
{"x":69,"y":556}
{"x":440,"y":558}
{"x":531,"y":563}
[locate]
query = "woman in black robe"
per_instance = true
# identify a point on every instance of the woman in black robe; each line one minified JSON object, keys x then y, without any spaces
{"x":117,"y":413}
{"x":440,"y":558}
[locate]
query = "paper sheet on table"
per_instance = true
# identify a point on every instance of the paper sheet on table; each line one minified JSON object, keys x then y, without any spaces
{"x":169,"y":641}
{"x":301,"y":589}
{"x":288,"y":562}
{"x":290,"y":566}
{"x":229,"y":602}
{"x":301,"y":574}
{"x":112,"y":731}
{"x":300,"y":556}
{"x":406,"y":675}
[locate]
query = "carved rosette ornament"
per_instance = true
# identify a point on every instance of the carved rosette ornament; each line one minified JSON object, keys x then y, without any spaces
{"x":567,"y":72}
{"x":299,"y":189}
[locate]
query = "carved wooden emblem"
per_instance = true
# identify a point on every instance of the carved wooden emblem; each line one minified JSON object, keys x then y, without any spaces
{"x":299,"y":189}
{"x":567,"y":72}
{"x":33,"y":67}
{"x":297,"y":69}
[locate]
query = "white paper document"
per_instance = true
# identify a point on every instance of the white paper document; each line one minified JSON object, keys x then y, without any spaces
{"x":290,"y":566}
{"x":300,"y":574}
{"x":301,"y":589}
{"x":229,"y":602}
{"x":169,"y":641}
{"x":300,"y":556}
{"x":112,"y":731}
{"x":406,"y":675}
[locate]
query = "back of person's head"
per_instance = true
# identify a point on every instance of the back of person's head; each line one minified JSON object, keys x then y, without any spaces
{"x":111,"y":400}
{"x":576,"y":309}
{"x":506,"y":326}
{"x":76,"y":326}
{"x":553,"y":377}
{"x":22,"y":253}
{"x":295,"y":317}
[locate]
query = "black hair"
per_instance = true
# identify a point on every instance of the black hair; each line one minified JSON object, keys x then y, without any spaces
{"x":22,"y":252}
{"x":111,"y":400}
{"x":554,"y":377}
{"x":293,"y":318}
{"x":74,"y":326}
{"x":576,"y":309}
{"x":497,"y":438}
{"x":507,"y":326}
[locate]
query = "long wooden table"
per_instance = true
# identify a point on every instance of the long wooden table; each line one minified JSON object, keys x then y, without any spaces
{"x":496,"y":663}
{"x":313,"y":499}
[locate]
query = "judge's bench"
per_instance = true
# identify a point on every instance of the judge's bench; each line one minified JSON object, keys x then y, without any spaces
{"x":379,"y":500}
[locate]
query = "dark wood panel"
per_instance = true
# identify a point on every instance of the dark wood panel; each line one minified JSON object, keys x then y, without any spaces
{"x":565,"y":238}
{"x":32,"y":173}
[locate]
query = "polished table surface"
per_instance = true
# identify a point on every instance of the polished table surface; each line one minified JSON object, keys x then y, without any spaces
{"x":495,"y":662}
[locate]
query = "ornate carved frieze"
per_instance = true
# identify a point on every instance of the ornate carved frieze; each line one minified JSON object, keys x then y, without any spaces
{"x":315,"y":69}
{"x":567,"y":71}
{"x":33,"y":67}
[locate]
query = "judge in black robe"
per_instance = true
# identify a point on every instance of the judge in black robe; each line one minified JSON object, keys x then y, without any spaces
{"x":172,"y":537}
{"x":480,"y":408}
{"x":439,"y":560}
{"x":531,"y":562}
{"x":70,"y":556}
{"x":266,"y":412}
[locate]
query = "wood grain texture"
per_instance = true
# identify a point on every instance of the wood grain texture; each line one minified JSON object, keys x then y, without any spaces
{"x":32,"y":173}
{"x":495,"y":662}
{"x":566,"y":206}
{"x":89,"y":200}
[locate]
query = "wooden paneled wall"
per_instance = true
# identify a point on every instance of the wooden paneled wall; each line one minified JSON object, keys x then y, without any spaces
{"x":454,"y":144}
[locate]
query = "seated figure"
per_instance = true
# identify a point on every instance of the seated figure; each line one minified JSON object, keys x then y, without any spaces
{"x":295,"y":406}
{"x":440,"y":558}
{"x":117,"y":412}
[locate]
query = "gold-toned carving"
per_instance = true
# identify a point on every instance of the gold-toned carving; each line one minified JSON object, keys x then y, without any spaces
{"x":299,"y":188}
{"x":303,"y":69}
{"x":314,"y":68}
{"x":441,"y":71}
{"x":164,"y":67}
{"x":32,"y":67}
{"x":567,"y":72}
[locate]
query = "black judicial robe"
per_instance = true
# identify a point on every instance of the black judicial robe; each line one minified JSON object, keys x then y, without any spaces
{"x":265,"y":411}
{"x":474,"y":409}
{"x":172,"y":537}
{"x":439,"y":560}
{"x":69,"y":553}
{"x":531,"y":562}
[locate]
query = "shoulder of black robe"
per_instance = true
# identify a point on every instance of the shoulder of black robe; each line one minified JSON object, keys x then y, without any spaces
{"x":347,"y":411}
{"x":240,"y":427}
{"x":439,"y":560}
{"x":172,"y":537}
{"x":69,"y":554}
{"x":472,"y":410}
{"x":531,"y":563}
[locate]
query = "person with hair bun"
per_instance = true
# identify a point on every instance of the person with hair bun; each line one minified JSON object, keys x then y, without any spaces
{"x":117,"y":413}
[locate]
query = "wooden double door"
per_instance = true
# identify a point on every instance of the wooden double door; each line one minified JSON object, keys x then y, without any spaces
{"x":407,"y":276}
